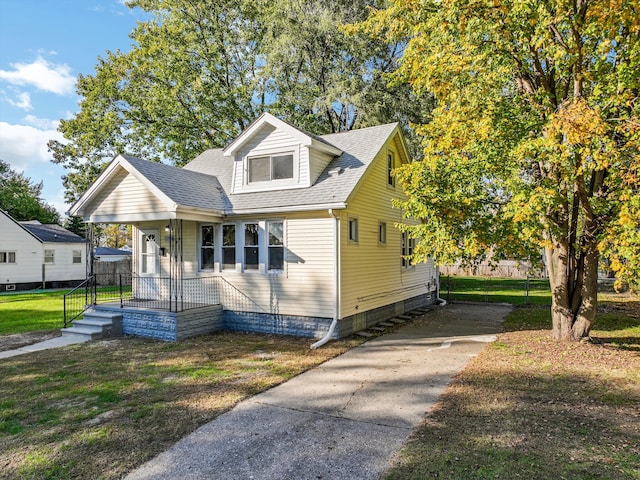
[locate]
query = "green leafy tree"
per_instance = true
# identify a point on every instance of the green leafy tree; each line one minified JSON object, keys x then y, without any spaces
{"x":534,"y":141}
{"x":200,"y":71}
{"x":21,"y":198}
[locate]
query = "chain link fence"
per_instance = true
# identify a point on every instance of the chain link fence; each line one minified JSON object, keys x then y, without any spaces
{"x":517,"y":291}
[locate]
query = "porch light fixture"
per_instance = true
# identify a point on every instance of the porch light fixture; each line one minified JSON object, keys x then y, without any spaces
{"x":167,"y":228}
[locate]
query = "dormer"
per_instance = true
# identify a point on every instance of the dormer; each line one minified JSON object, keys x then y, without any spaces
{"x":273,"y":155}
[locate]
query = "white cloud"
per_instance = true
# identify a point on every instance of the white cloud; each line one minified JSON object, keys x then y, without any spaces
{"x":41,"y":123}
{"x":23,"y":102}
{"x":44,"y":75}
{"x":25,"y":146}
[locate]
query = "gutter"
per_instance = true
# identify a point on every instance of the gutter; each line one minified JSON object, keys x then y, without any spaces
{"x":336,"y":281}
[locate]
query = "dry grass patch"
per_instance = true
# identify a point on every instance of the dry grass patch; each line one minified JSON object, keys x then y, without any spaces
{"x":528,"y":407}
{"x":98,"y":410}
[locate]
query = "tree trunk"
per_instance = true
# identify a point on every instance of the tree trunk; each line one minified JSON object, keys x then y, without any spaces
{"x":574,"y":291}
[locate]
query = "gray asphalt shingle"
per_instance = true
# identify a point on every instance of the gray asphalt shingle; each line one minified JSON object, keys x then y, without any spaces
{"x":206,"y":181}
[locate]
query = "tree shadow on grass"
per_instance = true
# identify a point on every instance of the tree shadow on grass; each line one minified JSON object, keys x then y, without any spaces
{"x":510,"y":424}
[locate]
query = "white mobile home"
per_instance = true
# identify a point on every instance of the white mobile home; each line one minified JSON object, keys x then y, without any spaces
{"x":283,"y":231}
{"x":33,"y":255}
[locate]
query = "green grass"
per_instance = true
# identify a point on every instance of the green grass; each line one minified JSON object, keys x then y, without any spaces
{"x":28,"y":312}
{"x":532,"y":408}
{"x":489,"y":289}
{"x":97,"y":410}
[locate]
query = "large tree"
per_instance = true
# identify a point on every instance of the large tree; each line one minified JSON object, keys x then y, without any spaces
{"x":21,"y":198}
{"x":534,"y":142}
{"x":199,"y":71}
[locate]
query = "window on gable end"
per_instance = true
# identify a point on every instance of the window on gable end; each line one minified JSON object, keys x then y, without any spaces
{"x":270,"y":167}
{"x":391,"y":164}
{"x":353,"y":230}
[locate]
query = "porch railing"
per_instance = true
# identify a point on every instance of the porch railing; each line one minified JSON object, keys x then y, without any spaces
{"x":157,"y":293}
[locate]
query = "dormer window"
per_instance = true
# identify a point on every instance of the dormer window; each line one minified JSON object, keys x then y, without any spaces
{"x":270,"y":167}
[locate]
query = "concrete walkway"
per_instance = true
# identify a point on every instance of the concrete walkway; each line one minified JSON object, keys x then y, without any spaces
{"x":51,"y":343}
{"x":342,"y":420}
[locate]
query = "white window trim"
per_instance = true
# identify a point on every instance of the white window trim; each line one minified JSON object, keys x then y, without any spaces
{"x":284,"y":247}
{"x":357,"y":232}
{"x":53,"y":257}
{"x":235,"y":246}
{"x":263,"y":248}
{"x":73,"y":257}
{"x":261,"y":265}
{"x":7,"y":259}
{"x":408,"y":247}
{"x":390,"y":155}
{"x":199,"y":247}
{"x":382,"y":241}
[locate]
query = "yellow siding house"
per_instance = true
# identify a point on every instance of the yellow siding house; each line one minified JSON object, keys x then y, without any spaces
{"x":282,"y":231}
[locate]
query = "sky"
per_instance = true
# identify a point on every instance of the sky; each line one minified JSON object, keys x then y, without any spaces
{"x":44,"y":46}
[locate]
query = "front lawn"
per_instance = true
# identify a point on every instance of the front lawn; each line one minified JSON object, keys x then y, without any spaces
{"x":28,"y":312}
{"x":100,"y":409}
{"x":528,"y":407}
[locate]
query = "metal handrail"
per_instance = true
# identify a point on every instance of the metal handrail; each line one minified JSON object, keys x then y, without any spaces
{"x":68,"y":297}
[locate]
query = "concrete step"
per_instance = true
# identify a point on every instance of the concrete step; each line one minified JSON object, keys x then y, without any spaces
{"x":378,"y":329}
{"x":405,"y":317}
{"x":86,"y":332}
{"x":397,"y":321}
{"x":364,"y":333}
{"x":96,"y":324}
{"x":386,"y":324}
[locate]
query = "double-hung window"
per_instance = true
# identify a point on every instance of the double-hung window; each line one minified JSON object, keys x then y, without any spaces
{"x":408,"y":244}
{"x":270,"y":167}
{"x":228,"y":247}
{"x":275,"y":262}
{"x":7,"y":257}
{"x":251,"y":246}
{"x":49,"y":256}
{"x":207,"y":235}
{"x":391,"y":181}
{"x":77,"y":256}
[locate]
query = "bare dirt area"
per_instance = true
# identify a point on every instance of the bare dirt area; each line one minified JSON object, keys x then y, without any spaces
{"x":19,"y":340}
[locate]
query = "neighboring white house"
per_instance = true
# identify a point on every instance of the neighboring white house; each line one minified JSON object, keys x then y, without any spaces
{"x":33,"y":255}
{"x":290,"y":232}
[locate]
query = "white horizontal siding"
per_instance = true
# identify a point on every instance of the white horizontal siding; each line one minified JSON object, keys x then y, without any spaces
{"x":125,"y":195}
{"x":28,"y":250}
{"x":271,"y":140}
{"x":63,"y":268}
{"x":318,"y":161}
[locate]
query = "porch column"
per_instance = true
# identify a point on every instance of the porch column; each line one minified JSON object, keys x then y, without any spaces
{"x":176,"y":300}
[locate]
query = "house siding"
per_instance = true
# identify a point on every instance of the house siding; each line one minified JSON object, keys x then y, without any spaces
{"x":125,"y":195}
{"x":270,"y":140}
{"x":29,"y":255}
{"x":304,"y":289}
{"x":29,"y":270}
{"x":372,"y":274}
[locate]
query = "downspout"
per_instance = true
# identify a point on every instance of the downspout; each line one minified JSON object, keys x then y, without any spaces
{"x":336,"y":282}
{"x":440,"y":301}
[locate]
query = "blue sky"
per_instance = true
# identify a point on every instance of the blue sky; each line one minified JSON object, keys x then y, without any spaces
{"x":44,"y":46}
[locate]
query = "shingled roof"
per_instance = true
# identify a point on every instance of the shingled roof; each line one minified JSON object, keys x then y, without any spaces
{"x":334,"y":185}
{"x":51,"y":233}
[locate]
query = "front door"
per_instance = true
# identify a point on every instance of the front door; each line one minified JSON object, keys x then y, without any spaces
{"x":148,"y":284}
{"x":149,"y":254}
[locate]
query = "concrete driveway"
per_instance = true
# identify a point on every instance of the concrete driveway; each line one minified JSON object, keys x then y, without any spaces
{"x":344,"y":419}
